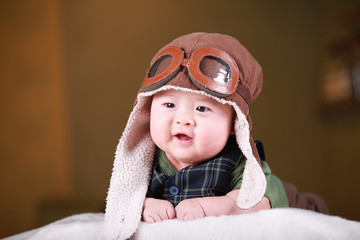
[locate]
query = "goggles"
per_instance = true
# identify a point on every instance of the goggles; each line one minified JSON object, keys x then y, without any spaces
{"x":210,"y":69}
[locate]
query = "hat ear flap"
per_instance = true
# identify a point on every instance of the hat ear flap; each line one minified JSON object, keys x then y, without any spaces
{"x":130,"y":176}
{"x":253,"y":185}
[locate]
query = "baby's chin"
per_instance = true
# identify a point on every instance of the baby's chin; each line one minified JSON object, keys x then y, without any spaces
{"x":182,"y":161}
{"x":192,"y":160}
{"x":198,"y":159}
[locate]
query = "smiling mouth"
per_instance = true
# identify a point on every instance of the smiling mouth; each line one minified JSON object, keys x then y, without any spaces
{"x":183,"y":137}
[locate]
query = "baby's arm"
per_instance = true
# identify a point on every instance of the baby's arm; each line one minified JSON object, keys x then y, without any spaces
{"x":156,"y":210}
{"x":215,"y":206}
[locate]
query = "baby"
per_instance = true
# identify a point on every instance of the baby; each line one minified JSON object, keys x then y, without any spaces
{"x":186,"y":151}
{"x":190,"y":129}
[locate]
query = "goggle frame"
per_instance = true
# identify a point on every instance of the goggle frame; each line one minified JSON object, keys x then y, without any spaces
{"x":193,"y":67}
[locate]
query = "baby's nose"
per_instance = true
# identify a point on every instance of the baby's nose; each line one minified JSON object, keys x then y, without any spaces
{"x":185,"y":119}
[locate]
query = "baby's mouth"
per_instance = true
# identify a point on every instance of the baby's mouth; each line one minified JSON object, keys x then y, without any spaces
{"x":183,"y":137}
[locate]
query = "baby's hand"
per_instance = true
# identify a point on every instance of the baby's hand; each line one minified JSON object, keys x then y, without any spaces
{"x":156,"y":210}
{"x":189,"y":209}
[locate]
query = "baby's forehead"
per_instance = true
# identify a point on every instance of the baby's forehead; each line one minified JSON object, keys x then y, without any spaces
{"x":195,"y":95}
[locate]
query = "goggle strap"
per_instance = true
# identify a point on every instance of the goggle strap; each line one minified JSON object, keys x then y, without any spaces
{"x":244,"y":93}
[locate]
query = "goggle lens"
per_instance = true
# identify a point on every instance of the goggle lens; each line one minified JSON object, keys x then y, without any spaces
{"x":160,"y":65}
{"x":215,"y":69}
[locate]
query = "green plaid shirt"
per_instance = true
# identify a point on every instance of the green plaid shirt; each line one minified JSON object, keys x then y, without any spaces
{"x":215,"y":177}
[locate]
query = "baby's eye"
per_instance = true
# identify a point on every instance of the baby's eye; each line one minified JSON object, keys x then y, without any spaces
{"x":170,"y":105}
{"x":202,"y":109}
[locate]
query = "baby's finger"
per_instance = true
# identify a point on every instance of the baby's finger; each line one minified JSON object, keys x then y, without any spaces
{"x":148,"y":219}
{"x":179,"y":213}
{"x":170,"y":213}
{"x":183,"y":215}
{"x":165,"y":214}
{"x":157,"y":218}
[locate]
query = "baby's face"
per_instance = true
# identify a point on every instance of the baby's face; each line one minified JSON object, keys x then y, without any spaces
{"x":190,"y":128}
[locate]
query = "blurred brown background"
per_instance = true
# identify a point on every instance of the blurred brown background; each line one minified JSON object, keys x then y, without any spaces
{"x":70,"y":70}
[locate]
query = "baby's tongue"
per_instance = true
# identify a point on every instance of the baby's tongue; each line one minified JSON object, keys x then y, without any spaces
{"x":183,"y":137}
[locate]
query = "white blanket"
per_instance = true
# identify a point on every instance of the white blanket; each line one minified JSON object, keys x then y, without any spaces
{"x":268,"y":224}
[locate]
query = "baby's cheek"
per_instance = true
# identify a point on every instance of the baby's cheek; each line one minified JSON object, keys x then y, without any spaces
{"x":212,"y":145}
